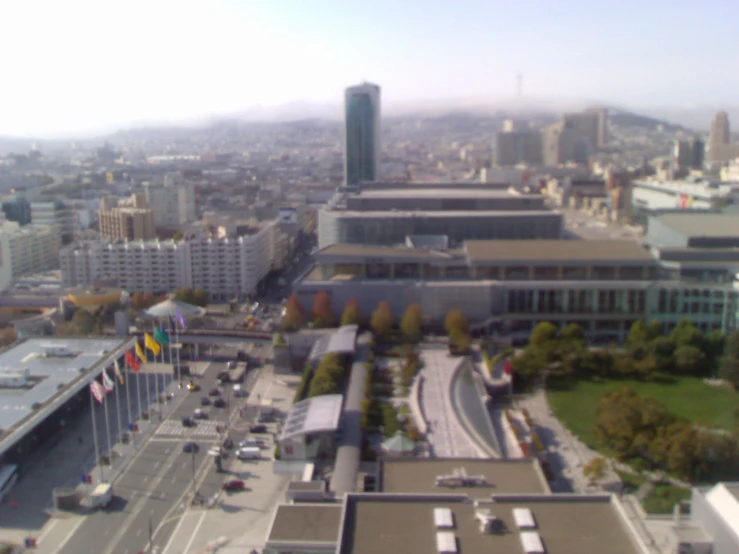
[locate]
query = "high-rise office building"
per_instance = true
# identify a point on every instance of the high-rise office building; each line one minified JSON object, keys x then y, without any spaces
{"x":133,"y":221}
{"x":720,"y":147}
{"x":362,"y":133}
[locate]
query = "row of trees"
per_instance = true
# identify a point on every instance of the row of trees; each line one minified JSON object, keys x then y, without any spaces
{"x":639,"y":428}
{"x":330,"y":376}
{"x":196,"y":297}
{"x":647,"y":351}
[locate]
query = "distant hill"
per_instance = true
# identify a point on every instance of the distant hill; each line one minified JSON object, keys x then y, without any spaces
{"x":624,"y":118}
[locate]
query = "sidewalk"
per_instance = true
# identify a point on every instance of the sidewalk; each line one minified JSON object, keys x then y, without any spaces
{"x":241,"y":519}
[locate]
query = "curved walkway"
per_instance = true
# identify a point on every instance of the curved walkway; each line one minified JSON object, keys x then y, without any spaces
{"x":446,"y":437}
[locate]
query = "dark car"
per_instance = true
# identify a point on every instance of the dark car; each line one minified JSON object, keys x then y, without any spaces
{"x":259,"y":428}
{"x":266,"y":418}
{"x":190,"y":447}
{"x":204,"y":401}
{"x":233,"y":485}
{"x":200,"y":414}
{"x":188,"y":422}
{"x":219,"y":403}
{"x":214,"y":392}
{"x":224,"y":377}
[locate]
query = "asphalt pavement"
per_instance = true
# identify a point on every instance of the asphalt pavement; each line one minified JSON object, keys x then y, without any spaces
{"x":157,"y":486}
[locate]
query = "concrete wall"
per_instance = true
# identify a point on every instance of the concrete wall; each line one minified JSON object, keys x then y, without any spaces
{"x":703,"y":514}
{"x":659,"y":234}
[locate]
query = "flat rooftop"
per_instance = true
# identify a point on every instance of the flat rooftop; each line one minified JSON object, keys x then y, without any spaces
{"x":445,"y":213}
{"x":561,"y":251}
{"x":576,"y":525}
{"x":385,"y":251}
{"x":304,"y":523}
{"x":49,"y":373}
{"x":703,"y":224}
{"x":418,"y":476}
{"x":451,"y":192}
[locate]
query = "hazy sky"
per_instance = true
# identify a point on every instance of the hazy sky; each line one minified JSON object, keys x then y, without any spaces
{"x":82,"y":65}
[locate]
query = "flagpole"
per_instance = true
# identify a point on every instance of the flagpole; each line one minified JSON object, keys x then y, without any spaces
{"x":138,"y":393}
{"x":117,"y":405}
{"x":107,"y":427}
{"x":177,"y":351}
{"x":128,"y":396}
{"x":95,"y":434}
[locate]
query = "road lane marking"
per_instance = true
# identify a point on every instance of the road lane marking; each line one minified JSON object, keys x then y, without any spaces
{"x":138,"y":533}
{"x":175,"y":532}
{"x":195,"y":532}
{"x":47,"y":530}
{"x":69,"y":535}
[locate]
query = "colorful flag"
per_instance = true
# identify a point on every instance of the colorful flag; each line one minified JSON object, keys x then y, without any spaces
{"x":97,"y":391}
{"x":131,"y":360}
{"x":172,"y":324}
{"x":180,"y":319}
{"x":108,"y":383}
{"x":151,"y":344}
{"x":161,"y":336}
{"x":117,"y":370}
{"x":140,"y":353}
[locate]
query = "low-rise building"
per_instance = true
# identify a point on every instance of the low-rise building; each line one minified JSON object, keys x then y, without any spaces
{"x":507,"y":287}
{"x":132,"y":220}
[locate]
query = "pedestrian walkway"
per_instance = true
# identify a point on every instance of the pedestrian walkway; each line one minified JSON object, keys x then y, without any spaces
{"x":446,"y":437}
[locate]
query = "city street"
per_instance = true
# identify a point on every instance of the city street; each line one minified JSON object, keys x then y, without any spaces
{"x":157,"y":486}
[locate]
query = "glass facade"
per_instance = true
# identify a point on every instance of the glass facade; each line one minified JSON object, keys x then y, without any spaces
{"x":361,"y":134}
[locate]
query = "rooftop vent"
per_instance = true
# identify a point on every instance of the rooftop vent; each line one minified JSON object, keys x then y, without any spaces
{"x":531,"y":542}
{"x":524,"y":519}
{"x":58,"y":352}
{"x":443,"y":518}
{"x":459,"y":478}
{"x":446,"y":542}
{"x":488,"y":522}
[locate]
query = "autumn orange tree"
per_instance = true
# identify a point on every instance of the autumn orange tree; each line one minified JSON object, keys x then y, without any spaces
{"x":322,"y":313}
{"x":382,"y":321}
{"x":458,"y":328}
{"x":411,"y":323}
{"x":350,"y":315}
{"x":293,"y":318}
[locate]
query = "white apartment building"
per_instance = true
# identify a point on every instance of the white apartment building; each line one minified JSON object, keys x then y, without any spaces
{"x":27,"y":250}
{"x":653,"y":194}
{"x":228,"y":263}
{"x":171,"y":205}
{"x":60,"y":213}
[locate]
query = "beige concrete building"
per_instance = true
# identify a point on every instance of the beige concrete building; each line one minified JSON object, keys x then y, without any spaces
{"x":171,"y":204}
{"x":720,"y":147}
{"x":563,"y":143}
{"x":516,"y":147}
{"x":133,"y":220}
{"x":26,"y":250}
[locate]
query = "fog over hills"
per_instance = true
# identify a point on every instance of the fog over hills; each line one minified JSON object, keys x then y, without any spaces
{"x":695,"y":118}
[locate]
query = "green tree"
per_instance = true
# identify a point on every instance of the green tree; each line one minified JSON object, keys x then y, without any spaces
{"x":322,"y":384}
{"x":350,"y":315}
{"x":685,"y":334}
{"x":322,"y":313}
{"x":637,"y":341}
{"x":628,"y":423}
{"x":199,"y":297}
{"x":543,"y":334}
{"x":293,"y":318}
{"x":677,"y":448}
{"x":185,"y":295}
{"x":83,"y":322}
{"x":729,"y":367}
{"x":178,"y":236}
{"x":411,"y":324}
{"x":595,"y":469}
{"x":688,"y":359}
{"x":382,"y":320}
{"x":655,"y":329}
{"x":713,"y":347}
{"x":663,"y":348}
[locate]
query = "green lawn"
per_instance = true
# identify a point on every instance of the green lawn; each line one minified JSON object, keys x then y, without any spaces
{"x":574,"y":402}
{"x":662,"y":499}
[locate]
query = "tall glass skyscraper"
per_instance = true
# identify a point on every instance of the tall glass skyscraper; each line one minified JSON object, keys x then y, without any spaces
{"x":362,"y":119}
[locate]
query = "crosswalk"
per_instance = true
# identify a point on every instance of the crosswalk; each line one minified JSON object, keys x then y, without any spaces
{"x":174,"y":428}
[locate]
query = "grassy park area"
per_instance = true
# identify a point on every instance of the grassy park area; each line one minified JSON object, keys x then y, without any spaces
{"x":574,"y":401}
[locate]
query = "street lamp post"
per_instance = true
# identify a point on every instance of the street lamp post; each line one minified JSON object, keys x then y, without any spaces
{"x":193,"y":470}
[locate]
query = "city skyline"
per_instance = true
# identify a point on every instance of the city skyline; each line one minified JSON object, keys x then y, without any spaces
{"x":166,"y":61}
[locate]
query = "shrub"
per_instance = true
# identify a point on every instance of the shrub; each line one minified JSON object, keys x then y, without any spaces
{"x":303,"y":386}
{"x":277,"y":451}
{"x":536,"y":441}
{"x":390,"y":419}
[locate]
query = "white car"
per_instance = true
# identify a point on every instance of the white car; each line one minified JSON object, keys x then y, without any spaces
{"x":215,"y":451}
{"x":249,"y":453}
{"x":251,"y":443}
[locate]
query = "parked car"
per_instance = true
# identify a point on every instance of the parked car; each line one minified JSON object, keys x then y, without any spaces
{"x":190,"y":447}
{"x":266,"y":418}
{"x":188,"y":422}
{"x":204,"y":401}
{"x":217,"y":451}
{"x":233,"y":485}
{"x":249,"y":453}
{"x":219,"y":403}
{"x":238,"y":391}
{"x":214,"y":392}
{"x":224,"y":376}
{"x":192,"y":386}
{"x":231,"y":365}
{"x":258,"y":428}
{"x":200,"y":414}
{"x":253,"y":443}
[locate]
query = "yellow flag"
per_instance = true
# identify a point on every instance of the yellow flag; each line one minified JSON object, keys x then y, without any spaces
{"x":151,"y":344}
{"x":140,"y":353}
